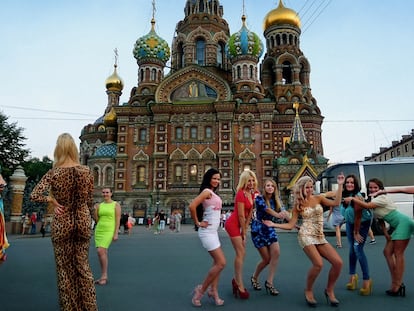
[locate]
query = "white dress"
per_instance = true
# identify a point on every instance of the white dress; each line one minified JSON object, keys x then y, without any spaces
{"x":212,"y":211}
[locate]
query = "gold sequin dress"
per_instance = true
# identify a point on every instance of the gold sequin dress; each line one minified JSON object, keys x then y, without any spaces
{"x":311,"y":230}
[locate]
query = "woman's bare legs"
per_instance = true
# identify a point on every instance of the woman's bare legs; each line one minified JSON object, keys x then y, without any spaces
{"x":240,"y":248}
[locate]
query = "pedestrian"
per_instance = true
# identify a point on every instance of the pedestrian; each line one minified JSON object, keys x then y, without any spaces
{"x":178,"y":219}
{"x":311,"y":237}
{"x":3,"y":236}
{"x":403,"y":227}
{"x":207,"y":232}
{"x":107,"y":216}
{"x":68,"y":187}
{"x":156,"y":223}
{"x":42,"y":229}
{"x":337,"y":221}
{"x":356,"y":249}
{"x":265,"y":239}
{"x":236,"y":226}
{"x":33,"y":221}
{"x":25,"y":223}
{"x":162,"y":218}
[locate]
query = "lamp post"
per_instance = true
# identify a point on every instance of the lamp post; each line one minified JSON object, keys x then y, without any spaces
{"x":157,"y":203}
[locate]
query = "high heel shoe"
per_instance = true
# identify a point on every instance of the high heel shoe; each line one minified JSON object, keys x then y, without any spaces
{"x":237,"y":292}
{"x":197,"y":295}
{"x":213,"y":295}
{"x":333,"y":303}
{"x":353,"y":283}
{"x":310,"y":303}
{"x":255,"y":283}
{"x":367,"y":290}
{"x":399,"y":292}
{"x":269,"y":288}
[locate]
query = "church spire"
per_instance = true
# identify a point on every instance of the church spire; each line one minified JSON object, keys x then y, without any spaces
{"x":298,"y":133}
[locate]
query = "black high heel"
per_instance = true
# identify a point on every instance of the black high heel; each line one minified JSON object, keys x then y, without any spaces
{"x":333,"y":303}
{"x":255,"y":283}
{"x":399,"y":292}
{"x":310,"y":303}
{"x":269,"y":288}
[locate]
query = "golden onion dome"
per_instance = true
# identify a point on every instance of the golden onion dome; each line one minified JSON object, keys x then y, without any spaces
{"x":110,"y":118}
{"x":281,"y":15}
{"x":114,"y":82}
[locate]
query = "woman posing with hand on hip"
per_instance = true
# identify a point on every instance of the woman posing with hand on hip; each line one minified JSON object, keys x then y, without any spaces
{"x":385,"y":210}
{"x":311,"y":237}
{"x":207,"y":232}
{"x":265,"y":239}
{"x":107,"y":217}
{"x":68,"y":186}
{"x":236,"y":227}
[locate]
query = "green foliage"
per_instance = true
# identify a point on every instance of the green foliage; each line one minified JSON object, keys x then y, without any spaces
{"x":12,"y":151}
{"x":35,"y":169}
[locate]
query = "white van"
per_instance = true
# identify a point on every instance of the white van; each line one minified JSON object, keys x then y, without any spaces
{"x":393,"y":173}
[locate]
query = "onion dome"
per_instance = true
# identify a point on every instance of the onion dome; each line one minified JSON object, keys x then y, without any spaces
{"x":114,"y":82}
{"x":281,"y":15}
{"x":244,"y":42}
{"x":110,"y":118}
{"x":106,"y":151}
{"x":151,"y":46}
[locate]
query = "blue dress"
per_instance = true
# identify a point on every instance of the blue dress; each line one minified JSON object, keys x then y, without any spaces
{"x":261,"y":234}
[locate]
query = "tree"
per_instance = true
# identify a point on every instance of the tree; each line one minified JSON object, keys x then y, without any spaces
{"x":12,"y":151}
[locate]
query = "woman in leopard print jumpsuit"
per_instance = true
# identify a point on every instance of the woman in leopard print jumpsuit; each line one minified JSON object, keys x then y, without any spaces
{"x":68,"y":186}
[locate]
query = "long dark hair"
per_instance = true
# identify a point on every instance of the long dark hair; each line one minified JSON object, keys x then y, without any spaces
{"x":206,"y":184}
{"x":347,"y":193}
{"x":376,"y":181}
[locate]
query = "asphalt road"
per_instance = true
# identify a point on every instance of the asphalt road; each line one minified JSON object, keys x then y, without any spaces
{"x":158,"y":272}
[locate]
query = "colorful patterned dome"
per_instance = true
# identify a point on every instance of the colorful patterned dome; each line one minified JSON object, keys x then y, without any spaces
{"x":244,"y":42}
{"x":281,"y":15}
{"x":151,"y":46}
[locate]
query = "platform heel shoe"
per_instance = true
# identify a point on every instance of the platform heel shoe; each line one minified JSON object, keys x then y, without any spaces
{"x":214,"y":297}
{"x":367,"y":290}
{"x":237,"y":292}
{"x":399,"y":292}
{"x":353,"y":283}
{"x":197,"y":295}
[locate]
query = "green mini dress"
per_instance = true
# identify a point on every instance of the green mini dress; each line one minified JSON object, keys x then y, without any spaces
{"x":105,"y":228}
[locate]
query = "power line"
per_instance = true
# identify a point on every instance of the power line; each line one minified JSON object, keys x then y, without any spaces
{"x":45,"y":110}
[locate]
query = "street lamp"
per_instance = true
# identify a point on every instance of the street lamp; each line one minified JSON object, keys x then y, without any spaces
{"x":157,"y":203}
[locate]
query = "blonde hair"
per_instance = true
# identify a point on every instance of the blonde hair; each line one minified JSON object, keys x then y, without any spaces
{"x":65,"y":150}
{"x":275,"y":195}
{"x":299,"y":192}
{"x":244,"y":179}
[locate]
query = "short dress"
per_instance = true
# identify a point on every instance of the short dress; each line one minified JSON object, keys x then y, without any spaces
{"x":402,"y":224}
{"x":105,"y":228}
{"x":232,"y":224}
{"x":261,"y":234}
{"x":211,"y":214}
{"x":311,"y":230}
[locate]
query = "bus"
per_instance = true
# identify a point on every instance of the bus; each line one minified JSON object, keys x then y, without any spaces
{"x":395,"y":172}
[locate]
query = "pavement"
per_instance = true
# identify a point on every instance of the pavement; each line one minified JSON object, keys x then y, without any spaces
{"x":159,"y":272}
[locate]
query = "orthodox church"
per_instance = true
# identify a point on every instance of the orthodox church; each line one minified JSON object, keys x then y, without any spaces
{"x":232,"y":101}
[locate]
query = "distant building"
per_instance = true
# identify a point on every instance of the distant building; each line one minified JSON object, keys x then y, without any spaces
{"x":210,"y":110}
{"x":398,"y":149}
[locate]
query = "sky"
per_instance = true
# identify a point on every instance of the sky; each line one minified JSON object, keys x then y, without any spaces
{"x":55,"y":56}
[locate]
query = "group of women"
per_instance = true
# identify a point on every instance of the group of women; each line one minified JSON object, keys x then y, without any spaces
{"x":264,"y":211}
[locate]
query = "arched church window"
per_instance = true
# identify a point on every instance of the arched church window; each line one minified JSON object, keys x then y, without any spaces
{"x":193,"y":172}
{"x":238,"y":72}
{"x":247,"y":133}
{"x":153,"y":74}
{"x":178,"y":133}
{"x":141,"y":75}
{"x":180,"y":55}
{"x":287,"y":72}
{"x":140,"y":174}
{"x":178,"y":173}
{"x":201,"y":51}
{"x":143,"y":134}
{"x":251,"y":73}
{"x":220,"y":55}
